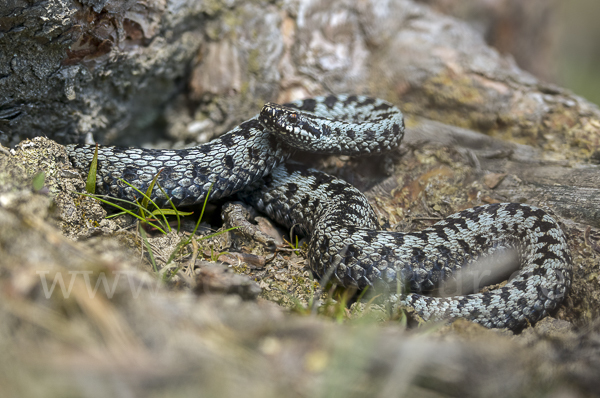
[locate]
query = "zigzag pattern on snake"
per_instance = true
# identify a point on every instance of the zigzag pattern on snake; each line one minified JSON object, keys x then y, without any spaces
{"x":345,"y":244}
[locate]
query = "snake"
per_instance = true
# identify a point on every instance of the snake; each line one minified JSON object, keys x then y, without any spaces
{"x":346,"y":243}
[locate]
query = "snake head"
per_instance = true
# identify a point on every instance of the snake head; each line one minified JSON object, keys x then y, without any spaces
{"x":279,"y":118}
{"x":291,"y":126}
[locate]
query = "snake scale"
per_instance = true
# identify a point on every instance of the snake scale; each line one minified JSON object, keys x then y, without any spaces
{"x":345,"y":243}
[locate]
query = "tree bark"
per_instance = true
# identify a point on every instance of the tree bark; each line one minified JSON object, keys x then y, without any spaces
{"x":110,"y":69}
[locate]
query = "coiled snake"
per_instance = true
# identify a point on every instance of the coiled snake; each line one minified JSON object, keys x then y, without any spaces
{"x":345,"y":243}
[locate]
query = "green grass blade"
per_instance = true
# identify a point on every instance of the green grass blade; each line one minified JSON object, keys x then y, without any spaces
{"x":215,"y":257}
{"x":147,"y":245}
{"x":115,"y":215}
{"x":170,"y":212}
{"x":90,"y":184}
{"x":216,"y":234}
{"x":188,"y":240}
{"x":147,"y":200}
{"x":38,"y":181}
{"x":177,"y":212}
{"x":177,"y":249}
{"x":202,"y":212}
{"x":124,"y":210}
{"x":113,"y":204}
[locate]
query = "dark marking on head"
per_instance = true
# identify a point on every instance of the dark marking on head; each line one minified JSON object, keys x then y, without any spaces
{"x":463,"y":302}
{"x":251,"y":124}
{"x":548,"y":255}
{"x":205,"y":148}
{"x":274,"y":143}
{"x":548,"y":239}
{"x":308,"y":105}
{"x":441,"y":234}
{"x":511,"y":323}
{"x":268,"y":179}
{"x":320,"y":179}
{"x":130,"y":173}
{"x":486,"y":298}
{"x":304,"y":201}
{"x":297,"y":167}
{"x":201,"y":172}
{"x":512,"y":208}
{"x":481,"y":240}
{"x":351,"y":99}
{"x":494,"y":312}
{"x":310,"y":129}
{"x":418,"y":256}
{"x":463,"y":245}
{"x":367,"y":101}
{"x":382,"y":107}
{"x":291,"y":189}
{"x":370,"y":236}
{"x":228,"y":161}
{"x":253,"y":153}
{"x":520,"y":285}
{"x":505,"y":293}
{"x":246,"y":129}
{"x":330,"y":101}
{"x":227,"y":140}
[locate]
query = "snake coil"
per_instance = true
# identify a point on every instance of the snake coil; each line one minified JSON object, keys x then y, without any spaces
{"x":346,"y":244}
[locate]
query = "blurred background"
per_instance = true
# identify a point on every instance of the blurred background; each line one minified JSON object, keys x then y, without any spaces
{"x":577,"y":47}
{"x":558,"y":41}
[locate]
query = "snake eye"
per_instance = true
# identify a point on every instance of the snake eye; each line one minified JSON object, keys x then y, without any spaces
{"x":292,"y":118}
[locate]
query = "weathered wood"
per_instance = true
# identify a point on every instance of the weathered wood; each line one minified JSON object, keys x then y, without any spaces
{"x":572,"y":191}
{"x":109,"y":69}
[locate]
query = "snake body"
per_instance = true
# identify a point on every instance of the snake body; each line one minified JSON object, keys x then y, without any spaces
{"x":349,"y":125}
{"x":345,"y":243}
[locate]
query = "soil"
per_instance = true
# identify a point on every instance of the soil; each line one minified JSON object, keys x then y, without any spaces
{"x":86,"y":307}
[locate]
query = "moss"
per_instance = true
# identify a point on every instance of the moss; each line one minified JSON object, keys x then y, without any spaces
{"x":449,"y":91}
{"x":213,"y":7}
{"x":254,"y":63}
